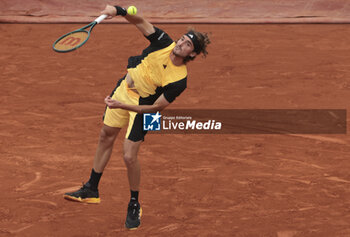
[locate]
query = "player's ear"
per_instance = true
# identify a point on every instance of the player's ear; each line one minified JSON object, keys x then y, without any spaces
{"x":193,"y":54}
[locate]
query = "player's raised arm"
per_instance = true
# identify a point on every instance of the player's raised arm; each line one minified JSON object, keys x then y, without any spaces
{"x":141,"y":23}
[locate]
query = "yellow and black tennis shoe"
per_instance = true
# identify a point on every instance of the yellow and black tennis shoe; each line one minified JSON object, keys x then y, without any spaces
{"x":133,"y":216}
{"x":84,"y":194}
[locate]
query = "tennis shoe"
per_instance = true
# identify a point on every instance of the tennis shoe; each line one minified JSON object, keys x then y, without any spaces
{"x":85,"y":194}
{"x":133,"y":217}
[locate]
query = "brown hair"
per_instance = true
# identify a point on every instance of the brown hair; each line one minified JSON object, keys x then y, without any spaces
{"x":203,"y":40}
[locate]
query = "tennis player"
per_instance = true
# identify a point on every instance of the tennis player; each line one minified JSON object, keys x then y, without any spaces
{"x":153,"y":80}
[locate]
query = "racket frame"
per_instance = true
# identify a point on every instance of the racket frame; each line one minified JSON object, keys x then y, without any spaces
{"x":92,"y":25}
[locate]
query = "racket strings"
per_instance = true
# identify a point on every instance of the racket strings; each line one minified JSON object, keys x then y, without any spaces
{"x":71,"y":41}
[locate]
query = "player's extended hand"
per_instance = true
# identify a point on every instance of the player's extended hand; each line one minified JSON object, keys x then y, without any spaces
{"x":110,"y":11}
{"x":112,"y":104}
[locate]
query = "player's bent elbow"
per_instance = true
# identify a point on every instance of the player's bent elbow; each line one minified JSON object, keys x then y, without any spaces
{"x":161,"y":108}
{"x":162,"y":105}
{"x":157,"y":108}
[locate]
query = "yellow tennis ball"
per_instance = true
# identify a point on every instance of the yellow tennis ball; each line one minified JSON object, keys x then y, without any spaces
{"x":132,"y":10}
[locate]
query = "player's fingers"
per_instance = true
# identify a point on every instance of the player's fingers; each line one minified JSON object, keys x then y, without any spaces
{"x":105,"y":13}
{"x":110,"y":11}
{"x":109,"y":101}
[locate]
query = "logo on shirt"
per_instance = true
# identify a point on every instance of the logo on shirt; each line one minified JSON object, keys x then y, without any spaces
{"x":151,"y":121}
{"x":161,"y":36}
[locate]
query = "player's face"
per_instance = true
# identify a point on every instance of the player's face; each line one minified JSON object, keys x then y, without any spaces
{"x":184,"y":47}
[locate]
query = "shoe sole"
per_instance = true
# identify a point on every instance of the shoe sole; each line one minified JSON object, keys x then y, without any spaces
{"x":83,"y":200}
{"x":134,"y":228}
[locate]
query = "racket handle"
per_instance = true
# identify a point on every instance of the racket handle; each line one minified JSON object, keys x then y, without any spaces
{"x":100,"y":18}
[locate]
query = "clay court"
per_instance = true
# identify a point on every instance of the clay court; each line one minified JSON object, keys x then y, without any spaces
{"x":287,"y":185}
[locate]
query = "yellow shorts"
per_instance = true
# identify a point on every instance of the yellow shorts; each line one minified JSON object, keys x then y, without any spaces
{"x":119,"y":118}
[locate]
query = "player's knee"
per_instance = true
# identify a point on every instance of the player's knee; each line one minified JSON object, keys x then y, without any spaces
{"x":106,"y":136}
{"x":130,"y":160}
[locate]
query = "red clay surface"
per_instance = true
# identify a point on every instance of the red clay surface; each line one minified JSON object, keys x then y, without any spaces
{"x":194,"y":11}
{"x":192,"y":185}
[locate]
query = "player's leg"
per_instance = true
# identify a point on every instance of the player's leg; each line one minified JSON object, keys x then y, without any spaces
{"x":113,"y":119}
{"x":134,"y":137}
{"x":131,"y":149}
{"x":134,"y":211}
{"x":105,"y":147}
{"x":89,"y":192}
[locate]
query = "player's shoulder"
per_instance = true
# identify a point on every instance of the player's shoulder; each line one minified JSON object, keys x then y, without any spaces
{"x":174,"y":89}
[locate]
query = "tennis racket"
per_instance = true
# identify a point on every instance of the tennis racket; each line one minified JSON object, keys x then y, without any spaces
{"x":77,"y":38}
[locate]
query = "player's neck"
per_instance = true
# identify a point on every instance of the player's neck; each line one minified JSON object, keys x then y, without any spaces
{"x":176,"y":60}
